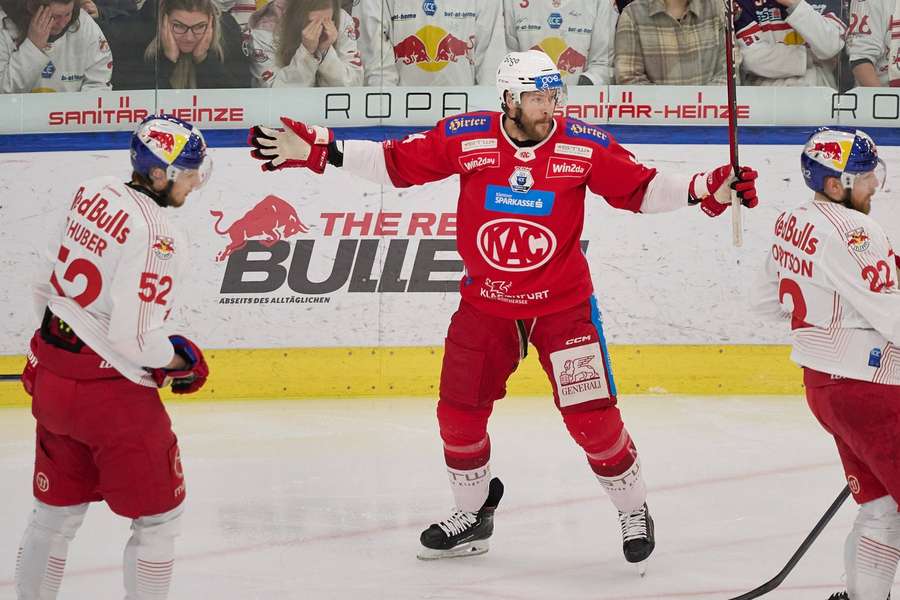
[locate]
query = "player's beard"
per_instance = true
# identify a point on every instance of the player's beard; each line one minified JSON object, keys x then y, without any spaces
{"x":536,"y":130}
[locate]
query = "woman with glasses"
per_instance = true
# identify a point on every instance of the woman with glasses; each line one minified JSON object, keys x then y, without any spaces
{"x":184,"y":44}
{"x":304,"y":43}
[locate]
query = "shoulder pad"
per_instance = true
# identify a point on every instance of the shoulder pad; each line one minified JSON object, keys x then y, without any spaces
{"x":584,"y":131}
{"x":474,"y":122}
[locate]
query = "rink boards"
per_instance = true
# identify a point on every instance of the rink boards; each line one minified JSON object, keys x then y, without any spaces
{"x":401,"y":372}
{"x":357,"y":303}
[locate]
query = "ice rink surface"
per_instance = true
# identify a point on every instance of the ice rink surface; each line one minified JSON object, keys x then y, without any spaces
{"x":326,"y":499}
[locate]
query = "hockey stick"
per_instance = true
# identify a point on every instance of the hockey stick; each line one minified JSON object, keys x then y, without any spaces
{"x":10,"y":377}
{"x":737,"y":233}
{"x":776,"y":581}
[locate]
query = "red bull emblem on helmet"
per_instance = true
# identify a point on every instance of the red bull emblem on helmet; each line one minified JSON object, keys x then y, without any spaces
{"x":165,"y":144}
{"x":837,"y":152}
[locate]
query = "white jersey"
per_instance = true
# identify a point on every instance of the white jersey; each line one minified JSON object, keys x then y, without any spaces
{"x":796,"y":48}
{"x":576,"y":34}
{"x":438,"y":42}
{"x":872,"y":23}
{"x":116,"y":274}
{"x":831,"y":269}
{"x":340,"y":66}
{"x":79,"y":60}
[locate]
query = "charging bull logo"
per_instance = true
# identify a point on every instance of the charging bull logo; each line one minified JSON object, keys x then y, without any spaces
{"x":433,"y":48}
{"x":577,"y":370}
{"x":858,"y":240}
{"x":166,"y":143}
{"x":567,"y":59}
{"x":836,"y":152}
{"x":269,"y":216}
{"x":515,"y":244}
{"x":164,"y":247}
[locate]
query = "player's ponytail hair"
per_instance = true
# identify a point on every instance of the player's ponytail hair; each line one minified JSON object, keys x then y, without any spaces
{"x":184,"y":75}
{"x":289,"y":31}
{"x":20,"y":13}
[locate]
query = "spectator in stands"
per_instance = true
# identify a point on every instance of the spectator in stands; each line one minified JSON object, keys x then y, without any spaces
{"x":304,"y":43}
{"x":671,"y":42}
{"x":105,"y":10}
{"x":578,"y":38}
{"x":874,"y":53}
{"x":196,"y":46}
{"x":448,"y":42}
{"x":241,"y":10}
{"x":51,"y":46}
{"x":789,"y":42}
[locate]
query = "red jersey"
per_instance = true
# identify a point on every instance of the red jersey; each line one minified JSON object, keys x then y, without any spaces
{"x":521,"y":210}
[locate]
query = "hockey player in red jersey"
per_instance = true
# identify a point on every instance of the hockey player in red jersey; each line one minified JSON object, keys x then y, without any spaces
{"x":96,"y":362}
{"x":832,"y":270}
{"x":523,"y":175}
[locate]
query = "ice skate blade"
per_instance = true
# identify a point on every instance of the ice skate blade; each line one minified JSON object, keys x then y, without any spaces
{"x":641,"y":567}
{"x":469,"y":549}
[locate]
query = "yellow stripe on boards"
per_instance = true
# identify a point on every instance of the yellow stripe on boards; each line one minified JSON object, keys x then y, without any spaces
{"x":414,"y":371}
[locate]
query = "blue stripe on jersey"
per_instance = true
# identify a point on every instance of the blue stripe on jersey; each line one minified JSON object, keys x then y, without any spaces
{"x":597,"y":319}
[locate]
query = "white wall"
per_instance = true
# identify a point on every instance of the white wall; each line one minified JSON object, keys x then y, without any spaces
{"x":670,"y":278}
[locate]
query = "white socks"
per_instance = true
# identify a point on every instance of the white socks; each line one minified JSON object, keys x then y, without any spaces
{"x":42,"y":553}
{"x":627,"y":491}
{"x":872,"y":550}
{"x":470,"y":488}
{"x":150,"y":555}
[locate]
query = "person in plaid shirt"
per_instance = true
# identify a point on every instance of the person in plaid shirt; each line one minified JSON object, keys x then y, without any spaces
{"x":670,"y":42}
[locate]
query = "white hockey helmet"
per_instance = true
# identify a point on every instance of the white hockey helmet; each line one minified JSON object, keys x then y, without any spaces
{"x":530,"y":71}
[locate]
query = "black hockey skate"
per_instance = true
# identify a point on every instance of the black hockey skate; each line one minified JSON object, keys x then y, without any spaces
{"x":844,"y":596}
{"x":637,"y":535}
{"x":464,"y":533}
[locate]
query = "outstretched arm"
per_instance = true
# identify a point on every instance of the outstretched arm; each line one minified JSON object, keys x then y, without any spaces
{"x":394,"y":162}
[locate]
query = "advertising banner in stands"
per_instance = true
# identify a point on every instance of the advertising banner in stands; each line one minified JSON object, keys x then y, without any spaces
{"x":355,"y":107}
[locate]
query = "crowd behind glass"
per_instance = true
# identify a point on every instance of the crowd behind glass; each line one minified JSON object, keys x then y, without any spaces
{"x":60,"y":45}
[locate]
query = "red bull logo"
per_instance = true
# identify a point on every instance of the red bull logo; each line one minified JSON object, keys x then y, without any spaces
{"x":168,"y":144}
{"x":837,"y":151}
{"x":272,"y":219}
{"x":858,"y":240}
{"x":433,"y":48}
{"x":567,"y":59}
{"x":829,"y":150}
{"x":164,"y":247}
{"x":571,"y":61}
{"x":166,"y":141}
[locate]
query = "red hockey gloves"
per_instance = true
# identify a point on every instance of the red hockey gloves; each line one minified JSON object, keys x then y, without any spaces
{"x":29,"y":373}
{"x":191,"y":378}
{"x":713,"y":190}
{"x":295,"y":146}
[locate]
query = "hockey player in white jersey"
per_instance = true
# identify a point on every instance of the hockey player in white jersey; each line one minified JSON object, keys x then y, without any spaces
{"x":832,"y":270}
{"x":101,"y":353}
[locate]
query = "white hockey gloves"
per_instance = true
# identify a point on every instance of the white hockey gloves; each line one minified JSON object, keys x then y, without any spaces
{"x":294,"y":146}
